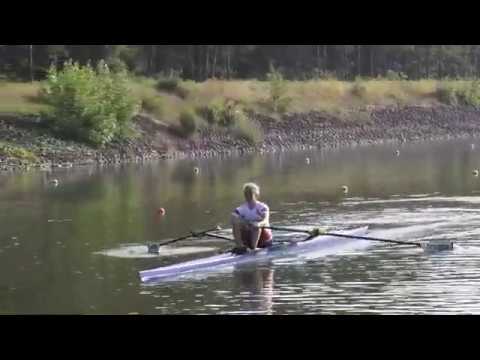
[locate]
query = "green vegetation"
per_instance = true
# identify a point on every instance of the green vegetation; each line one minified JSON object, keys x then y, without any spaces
{"x":221,"y":112}
{"x":278,"y":100}
{"x":91,"y":105}
{"x":188,"y":123}
{"x":173,"y":85}
{"x":188,"y":87}
{"x":96,"y":105}
{"x":459,"y":93}
{"x":244,"y":129}
{"x":17,"y":152}
{"x":154,"y":105}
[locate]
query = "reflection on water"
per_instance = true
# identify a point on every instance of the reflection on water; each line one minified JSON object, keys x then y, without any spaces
{"x":68,"y":249}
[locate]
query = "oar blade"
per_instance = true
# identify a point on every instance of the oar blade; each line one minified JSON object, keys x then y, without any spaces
{"x":438,"y":245}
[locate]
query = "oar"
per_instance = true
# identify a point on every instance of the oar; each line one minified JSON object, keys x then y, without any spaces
{"x":218,"y":237}
{"x":317,"y":232}
{"x":155,"y":248}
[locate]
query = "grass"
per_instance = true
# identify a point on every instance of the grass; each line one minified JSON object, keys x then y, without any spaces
{"x":333,"y":96}
{"x":20,"y":98}
{"x":327,"y":95}
{"x":17,"y":152}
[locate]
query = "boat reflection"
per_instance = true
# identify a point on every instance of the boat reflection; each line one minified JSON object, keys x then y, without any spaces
{"x":257,"y":285}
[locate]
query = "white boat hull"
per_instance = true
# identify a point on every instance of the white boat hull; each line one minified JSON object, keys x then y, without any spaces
{"x":327,"y":243}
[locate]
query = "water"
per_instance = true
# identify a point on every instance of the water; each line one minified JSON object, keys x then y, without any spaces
{"x":77,"y":248}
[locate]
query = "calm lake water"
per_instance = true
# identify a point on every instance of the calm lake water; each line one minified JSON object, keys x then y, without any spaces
{"x":77,"y":248}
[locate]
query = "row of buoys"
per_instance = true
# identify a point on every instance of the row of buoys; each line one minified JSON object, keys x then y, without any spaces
{"x":308,"y":161}
{"x":345,"y":189}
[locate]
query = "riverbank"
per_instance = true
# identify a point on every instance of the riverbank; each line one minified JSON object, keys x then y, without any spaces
{"x":156,"y":140}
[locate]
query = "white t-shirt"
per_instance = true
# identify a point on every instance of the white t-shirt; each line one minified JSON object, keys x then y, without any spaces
{"x":256,"y":214}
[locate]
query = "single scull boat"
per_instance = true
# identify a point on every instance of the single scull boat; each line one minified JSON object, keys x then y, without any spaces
{"x":283,"y":249}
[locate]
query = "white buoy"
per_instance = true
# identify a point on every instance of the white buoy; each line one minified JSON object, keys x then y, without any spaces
{"x":472,"y":146}
{"x":345,"y":189}
{"x":475,"y":173}
{"x":397,"y":153}
{"x":54,"y":182}
{"x":196,"y":170}
{"x":307,"y":160}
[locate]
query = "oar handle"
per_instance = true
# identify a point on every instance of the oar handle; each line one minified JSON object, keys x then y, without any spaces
{"x":218,"y":237}
{"x":274,"y":228}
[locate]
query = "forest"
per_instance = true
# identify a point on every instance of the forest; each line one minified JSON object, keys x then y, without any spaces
{"x":295,"y":62}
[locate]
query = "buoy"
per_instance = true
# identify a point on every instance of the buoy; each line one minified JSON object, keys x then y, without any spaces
{"x":472,"y":146}
{"x":161,"y":212}
{"x":196,"y":170}
{"x":475,"y":173}
{"x":345,"y":189}
{"x":307,"y":160}
{"x":397,"y":153}
{"x":54,"y":182}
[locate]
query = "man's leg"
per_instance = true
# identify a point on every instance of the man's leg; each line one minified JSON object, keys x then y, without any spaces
{"x":237,"y":225}
{"x":254,"y":237}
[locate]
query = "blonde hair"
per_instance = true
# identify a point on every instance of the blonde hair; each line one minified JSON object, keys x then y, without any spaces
{"x":251,"y":189}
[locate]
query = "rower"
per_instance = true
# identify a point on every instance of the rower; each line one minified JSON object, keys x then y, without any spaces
{"x":248,"y":221}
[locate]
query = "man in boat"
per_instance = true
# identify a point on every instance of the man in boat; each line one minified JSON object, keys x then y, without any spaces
{"x":249,"y":220}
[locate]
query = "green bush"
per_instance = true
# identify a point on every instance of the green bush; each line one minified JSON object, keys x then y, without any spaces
{"x":279,"y":101}
{"x":222,"y":113}
{"x":244,"y":129}
{"x":470,"y":95}
{"x":359,"y":89}
{"x":90,"y":105}
{"x":168,"y":84}
{"x":188,"y":123}
{"x":447,"y":94}
{"x":212,"y":112}
{"x":153,"y":105}
{"x":172,"y":85}
{"x":117,"y":65}
{"x":467,"y":94}
{"x":395,"y":76}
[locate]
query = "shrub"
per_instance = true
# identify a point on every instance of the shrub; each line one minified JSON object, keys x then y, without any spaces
{"x":168,"y":85}
{"x":91,"y":105}
{"x":359,"y":89}
{"x":188,"y":123}
{"x":465,"y":94}
{"x":153,"y":105}
{"x":244,"y":129}
{"x":172,"y":85}
{"x":447,"y":94}
{"x":117,"y":65}
{"x":278,"y":100}
{"x":212,"y":112}
{"x":221,"y":112}
{"x":469,"y":95}
{"x":395,"y":76}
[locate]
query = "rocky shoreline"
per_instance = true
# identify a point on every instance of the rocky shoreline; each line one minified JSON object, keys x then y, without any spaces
{"x":369,"y":126}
